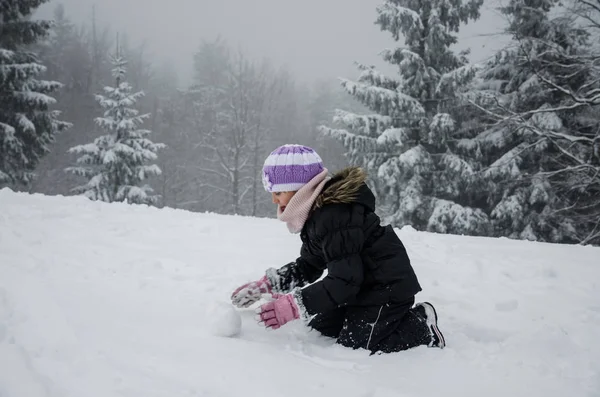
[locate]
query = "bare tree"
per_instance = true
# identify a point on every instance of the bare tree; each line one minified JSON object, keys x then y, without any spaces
{"x":234,"y":100}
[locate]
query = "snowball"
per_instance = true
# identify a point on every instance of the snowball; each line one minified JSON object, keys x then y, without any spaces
{"x":224,"y":320}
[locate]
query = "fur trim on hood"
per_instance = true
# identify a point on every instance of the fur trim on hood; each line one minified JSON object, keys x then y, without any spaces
{"x":343,"y":188}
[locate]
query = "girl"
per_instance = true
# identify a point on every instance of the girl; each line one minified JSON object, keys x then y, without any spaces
{"x":366,"y":299}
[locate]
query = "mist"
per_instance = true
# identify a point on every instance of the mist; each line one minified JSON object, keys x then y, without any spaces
{"x":220,"y":106}
{"x":178,"y":103}
{"x":313,"y":39}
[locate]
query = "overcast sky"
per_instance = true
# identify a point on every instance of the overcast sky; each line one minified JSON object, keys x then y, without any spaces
{"x":314,"y":38}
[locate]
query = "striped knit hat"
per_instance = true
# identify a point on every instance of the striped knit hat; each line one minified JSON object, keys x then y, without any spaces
{"x":289,"y":167}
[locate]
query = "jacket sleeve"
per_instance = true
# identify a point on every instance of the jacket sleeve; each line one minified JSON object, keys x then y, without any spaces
{"x":342,"y":243}
{"x":305,"y":270}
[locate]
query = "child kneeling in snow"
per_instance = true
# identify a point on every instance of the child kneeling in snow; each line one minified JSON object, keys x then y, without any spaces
{"x":366,"y":300}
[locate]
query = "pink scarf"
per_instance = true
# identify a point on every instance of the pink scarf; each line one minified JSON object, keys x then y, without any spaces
{"x":299,"y":207}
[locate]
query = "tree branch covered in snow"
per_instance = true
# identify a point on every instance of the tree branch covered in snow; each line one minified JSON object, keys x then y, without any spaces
{"x":367,"y":125}
{"x":561,"y":131}
{"x":28,"y":126}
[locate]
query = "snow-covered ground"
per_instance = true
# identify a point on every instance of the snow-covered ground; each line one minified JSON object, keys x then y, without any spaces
{"x":100,"y":300}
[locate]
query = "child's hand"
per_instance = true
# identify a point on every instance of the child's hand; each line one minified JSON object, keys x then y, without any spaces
{"x":250,"y":292}
{"x":278,"y":312}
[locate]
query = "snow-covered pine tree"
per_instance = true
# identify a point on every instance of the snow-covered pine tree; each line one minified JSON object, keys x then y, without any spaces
{"x":580,"y":173}
{"x":27,"y":125}
{"x":117,"y":163}
{"x":519,"y":149}
{"x":407,"y":145}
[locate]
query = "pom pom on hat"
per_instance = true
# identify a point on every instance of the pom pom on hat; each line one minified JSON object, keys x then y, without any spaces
{"x":289,"y":167}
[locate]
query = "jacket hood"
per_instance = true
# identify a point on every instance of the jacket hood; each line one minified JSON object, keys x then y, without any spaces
{"x":347,"y":186}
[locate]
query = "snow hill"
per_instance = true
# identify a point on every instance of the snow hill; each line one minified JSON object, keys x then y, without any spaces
{"x":100,"y":300}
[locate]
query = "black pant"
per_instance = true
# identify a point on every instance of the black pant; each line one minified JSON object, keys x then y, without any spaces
{"x":387,"y":328}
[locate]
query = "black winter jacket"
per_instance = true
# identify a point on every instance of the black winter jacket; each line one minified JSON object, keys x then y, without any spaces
{"x":366,"y":263}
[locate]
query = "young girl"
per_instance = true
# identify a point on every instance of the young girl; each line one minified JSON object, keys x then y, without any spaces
{"x":366,"y":299}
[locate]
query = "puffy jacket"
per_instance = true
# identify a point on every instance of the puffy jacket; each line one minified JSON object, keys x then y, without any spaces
{"x":366,"y":263}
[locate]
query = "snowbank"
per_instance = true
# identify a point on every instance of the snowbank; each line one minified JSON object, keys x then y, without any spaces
{"x":112,"y":300}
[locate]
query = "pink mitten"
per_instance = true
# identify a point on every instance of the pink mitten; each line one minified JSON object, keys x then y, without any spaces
{"x":278,"y":312}
{"x":251,"y":292}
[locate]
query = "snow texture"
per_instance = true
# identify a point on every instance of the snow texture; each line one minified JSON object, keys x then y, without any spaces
{"x":547,"y":121}
{"x":507,"y":165}
{"x":385,"y":101}
{"x":392,"y":135}
{"x":395,"y":17}
{"x":119,"y":309}
{"x":454,"y":80}
{"x":451,"y":217}
{"x":367,"y":125}
{"x":224,"y":319}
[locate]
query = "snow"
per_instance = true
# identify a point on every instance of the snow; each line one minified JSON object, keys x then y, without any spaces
{"x":367,"y":125}
{"x":509,"y":209}
{"x":120,"y":67}
{"x":455,"y":163}
{"x":21,"y":71}
{"x":392,"y":135}
{"x":547,"y":120}
{"x":531,"y":84}
{"x":25,"y":123}
{"x":459,"y":77}
{"x":8,"y":131}
{"x":441,"y":126}
{"x":34,"y":99}
{"x":494,"y":137}
{"x":508,"y":164}
{"x":415,"y":158}
{"x":540,"y":189}
{"x":448,"y":216}
{"x":355,"y":144}
{"x":45,"y":86}
{"x":101,"y":299}
{"x":6,"y":55}
{"x":224,"y":320}
{"x":387,"y":102}
{"x":372,"y":76}
{"x":392,"y":13}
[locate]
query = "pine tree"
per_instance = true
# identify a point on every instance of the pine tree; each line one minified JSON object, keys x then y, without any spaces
{"x":116,"y":163}
{"x":66,"y":55}
{"x":27,"y":125}
{"x":527,"y":120}
{"x":408,"y":145}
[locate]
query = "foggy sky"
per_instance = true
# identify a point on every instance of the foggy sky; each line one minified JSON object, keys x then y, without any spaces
{"x":315,"y":39}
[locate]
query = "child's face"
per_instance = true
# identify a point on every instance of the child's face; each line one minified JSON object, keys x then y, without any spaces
{"x":282,"y":199}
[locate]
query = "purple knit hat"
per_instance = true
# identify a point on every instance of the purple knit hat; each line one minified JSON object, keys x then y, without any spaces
{"x":289,"y":167}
